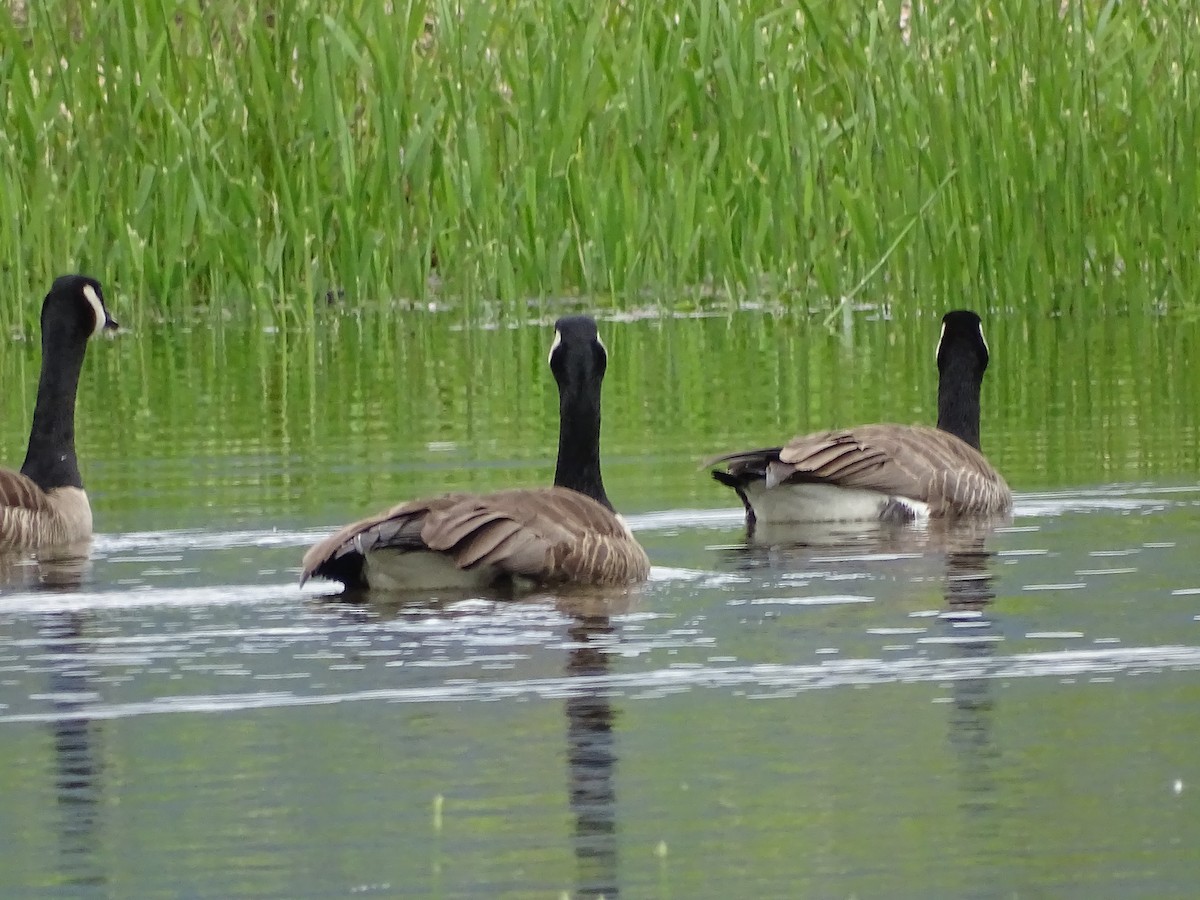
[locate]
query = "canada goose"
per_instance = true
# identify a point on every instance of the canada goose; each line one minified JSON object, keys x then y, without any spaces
{"x":510,"y":539}
{"x":886,"y":472}
{"x":44,"y":505}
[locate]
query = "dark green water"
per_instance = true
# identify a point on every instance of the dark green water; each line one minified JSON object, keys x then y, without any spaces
{"x":990,"y":713}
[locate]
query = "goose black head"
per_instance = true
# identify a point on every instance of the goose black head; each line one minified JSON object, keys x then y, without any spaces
{"x":577,"y":356}
{"x":962,"y":341}
{"x":77,"y":302}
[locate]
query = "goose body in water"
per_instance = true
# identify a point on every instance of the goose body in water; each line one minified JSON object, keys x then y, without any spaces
{"x":884,"y":472}
{"x":509,"y":539}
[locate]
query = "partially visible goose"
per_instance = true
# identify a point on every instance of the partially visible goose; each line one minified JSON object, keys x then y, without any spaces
{"x":509,"y":539}
{"x":883,"y":472}
{"x":44,"y":505}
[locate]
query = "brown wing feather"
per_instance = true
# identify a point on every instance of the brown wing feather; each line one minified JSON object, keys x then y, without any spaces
{"x":743,"y":458}
{"x":33,"y":519}
{"x":548,"y":535}
{"x":17,"y":491}
{"x":914,"y":461}
{"x":907,"y":460}
{"x":495,"y":539}
{"x":339,"y":557}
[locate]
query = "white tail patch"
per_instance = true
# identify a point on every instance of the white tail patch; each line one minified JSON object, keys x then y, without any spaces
{"x":554,"y":346}
{"x":937,"y":351}
{"x":93,"y":299}
{"x":986,"y":348}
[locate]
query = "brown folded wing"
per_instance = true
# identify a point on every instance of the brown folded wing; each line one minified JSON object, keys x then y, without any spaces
{"x":546,"y":535}
{"x":33,"y":519}
{"x":913,"y":461}
{"x":19,"y":492}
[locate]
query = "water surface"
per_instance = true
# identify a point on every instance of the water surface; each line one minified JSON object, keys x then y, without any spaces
{"x":994,"y":711}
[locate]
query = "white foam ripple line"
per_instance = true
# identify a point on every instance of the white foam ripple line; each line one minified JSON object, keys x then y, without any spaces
{"x":158,"y":541}
{"x":140,"y":597}
{"x":196,"y":539}
{"x":143,"y":596}
{"x":775,"y":678}
{"x":670,"y":519}
{"x":1047,"y":503}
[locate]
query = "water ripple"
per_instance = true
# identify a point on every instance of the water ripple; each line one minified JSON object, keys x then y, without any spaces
{"x":781,"y":680}
{"x":1027,"y":505}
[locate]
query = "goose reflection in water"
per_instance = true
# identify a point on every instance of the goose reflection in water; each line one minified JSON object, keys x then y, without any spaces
{"x":969,"y":593}
{"x":78,"y":761}
{"x":78,"y":767}
{"x":591,"y":734}
{"x":965,"y":628}
{"x":592,"y":755}
{"x":784,"y":544}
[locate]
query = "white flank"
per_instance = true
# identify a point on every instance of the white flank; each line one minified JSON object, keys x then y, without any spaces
{"x":822,"y":503}
{"x":397,"y":570}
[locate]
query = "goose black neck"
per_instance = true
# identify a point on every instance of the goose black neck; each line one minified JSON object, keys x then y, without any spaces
{"x":959,"y":383}
{"x":50,"y":461}
{"x":578,"y":466}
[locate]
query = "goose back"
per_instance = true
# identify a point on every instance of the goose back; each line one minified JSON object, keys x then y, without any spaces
{"x":884,"y":471}
{"x":913,"y":462}
{"x":508,"y":538}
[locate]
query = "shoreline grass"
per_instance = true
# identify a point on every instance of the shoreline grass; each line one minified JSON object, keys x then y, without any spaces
{"x":993,"y":155}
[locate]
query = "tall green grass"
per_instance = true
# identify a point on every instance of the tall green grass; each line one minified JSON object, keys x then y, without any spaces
{"x":995,"y":154}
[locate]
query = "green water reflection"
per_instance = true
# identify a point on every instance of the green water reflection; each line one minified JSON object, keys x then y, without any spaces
{"x":788,"y":721}
{"x":195,"y":427}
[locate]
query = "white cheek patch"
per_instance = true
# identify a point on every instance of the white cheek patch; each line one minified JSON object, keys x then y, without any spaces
{"x":554,"y":346}
{"x":93,"y":299}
